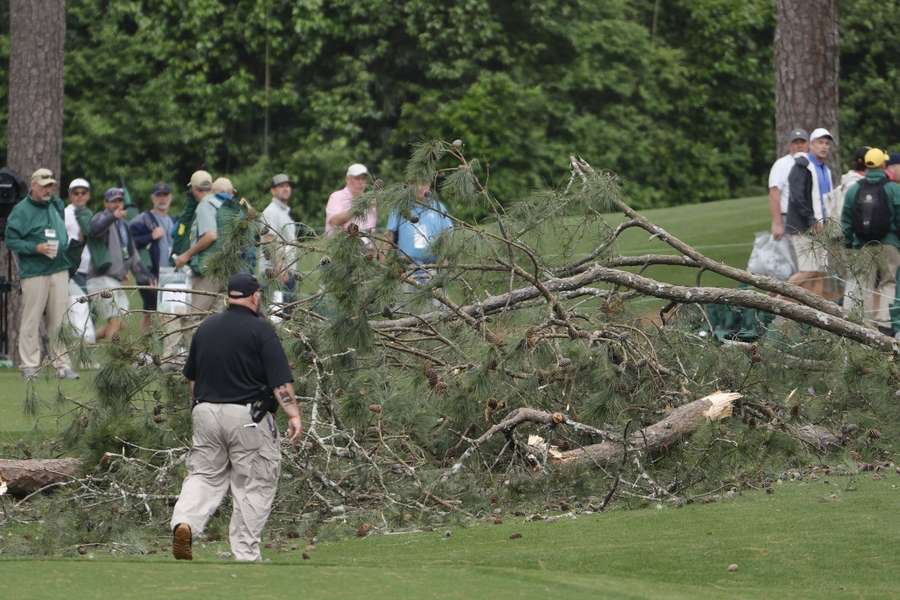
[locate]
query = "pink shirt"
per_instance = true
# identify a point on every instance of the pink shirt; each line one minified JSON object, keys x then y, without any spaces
{"x":342,"y":201}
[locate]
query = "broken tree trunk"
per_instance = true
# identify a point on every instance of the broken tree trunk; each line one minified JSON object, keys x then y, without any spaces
{"x":22,"y":477}
{"x":681,"y":422}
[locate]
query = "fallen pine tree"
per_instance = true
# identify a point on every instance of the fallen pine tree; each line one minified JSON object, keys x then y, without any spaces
{"x":411,"y":396}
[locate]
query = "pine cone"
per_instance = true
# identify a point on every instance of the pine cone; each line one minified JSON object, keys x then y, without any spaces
{"x":431,"y":374}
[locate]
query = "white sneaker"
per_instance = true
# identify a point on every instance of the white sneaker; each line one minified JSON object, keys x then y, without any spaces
{"x":66,"y":373}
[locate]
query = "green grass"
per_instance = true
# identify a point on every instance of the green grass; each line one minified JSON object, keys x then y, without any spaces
{"x":51,"y":416}
{"x":723,"y":231}
{"x":817,"y":539}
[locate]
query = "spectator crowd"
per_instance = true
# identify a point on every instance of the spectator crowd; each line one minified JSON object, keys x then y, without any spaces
{"x":67,"y":252}
{"x":844,"y":237}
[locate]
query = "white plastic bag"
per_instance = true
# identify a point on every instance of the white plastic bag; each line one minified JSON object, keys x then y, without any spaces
{"x":78,"y":316}
{"x":174,"y":299}
{"x":772,"y":257}
{"x":276,"y":305}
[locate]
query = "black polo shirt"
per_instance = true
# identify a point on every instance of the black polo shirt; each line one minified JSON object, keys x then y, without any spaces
{"x":233,"y":354}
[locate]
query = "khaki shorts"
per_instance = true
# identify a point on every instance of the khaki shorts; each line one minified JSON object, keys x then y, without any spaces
{"x":112,"y":307}
{"x":810,"y":253}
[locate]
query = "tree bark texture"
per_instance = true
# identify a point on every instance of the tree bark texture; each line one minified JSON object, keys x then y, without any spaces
{"x":23,"y":477}
{"x":807,"y":64}
{"x":679,"y":423}
{"x":35,"y":131}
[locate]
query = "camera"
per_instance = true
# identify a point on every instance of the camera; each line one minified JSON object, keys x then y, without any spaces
{"x":12,"y":189}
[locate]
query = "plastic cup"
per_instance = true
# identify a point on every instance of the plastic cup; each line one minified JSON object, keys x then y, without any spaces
{"x":54,"y":247}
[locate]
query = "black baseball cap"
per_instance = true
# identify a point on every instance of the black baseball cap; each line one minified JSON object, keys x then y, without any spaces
{"x":242,"y":285}
{"x":161,"y":188}
{"x":798,"y":134}
{"x":893,"y":159}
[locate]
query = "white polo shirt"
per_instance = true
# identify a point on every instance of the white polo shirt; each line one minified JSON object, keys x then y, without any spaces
{"x":778,"y":177}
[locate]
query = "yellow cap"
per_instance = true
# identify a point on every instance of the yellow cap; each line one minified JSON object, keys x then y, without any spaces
{"x":875,"y":158}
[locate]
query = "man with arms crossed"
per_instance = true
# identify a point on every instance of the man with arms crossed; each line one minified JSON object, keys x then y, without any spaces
{"x":809,"y":182}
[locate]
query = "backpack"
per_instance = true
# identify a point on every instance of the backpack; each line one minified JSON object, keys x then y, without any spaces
{"x":871,"y":212}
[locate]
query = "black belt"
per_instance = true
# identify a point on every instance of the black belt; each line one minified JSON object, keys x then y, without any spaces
{"x":245,"y":403}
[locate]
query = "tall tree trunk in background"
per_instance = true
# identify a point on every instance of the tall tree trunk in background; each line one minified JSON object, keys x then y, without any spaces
{"x":34,"y":135}
{"x":807,"y":62}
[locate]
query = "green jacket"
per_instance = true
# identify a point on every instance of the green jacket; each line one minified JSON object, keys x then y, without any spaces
{"x":31,"y":223}
{"x":893,"y":193}
{"x":99,"y":250}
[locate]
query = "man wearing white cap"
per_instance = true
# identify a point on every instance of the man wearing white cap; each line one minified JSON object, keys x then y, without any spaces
{"x":78,"y":217}
{"x":339,"y":210}
{"x":809,"y":182}
{"x":36,"y":232}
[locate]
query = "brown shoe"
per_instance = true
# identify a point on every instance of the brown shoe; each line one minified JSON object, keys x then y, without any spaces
{"x":181,"y":542}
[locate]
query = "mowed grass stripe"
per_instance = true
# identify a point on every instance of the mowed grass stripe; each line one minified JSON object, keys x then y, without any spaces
{"x":823,"y":538}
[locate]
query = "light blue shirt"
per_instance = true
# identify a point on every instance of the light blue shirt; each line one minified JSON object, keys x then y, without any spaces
{"x":823,"y":177}
{"x":415,"y":239}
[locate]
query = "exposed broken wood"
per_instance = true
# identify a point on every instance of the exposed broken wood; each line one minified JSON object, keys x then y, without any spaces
{"x":681,"y":422}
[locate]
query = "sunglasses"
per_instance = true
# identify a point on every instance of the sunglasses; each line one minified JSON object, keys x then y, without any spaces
{"x":81,"y":192}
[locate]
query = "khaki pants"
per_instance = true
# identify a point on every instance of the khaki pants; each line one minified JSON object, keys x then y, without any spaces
{"x":200,"y":305}
{"x":230,"y":451}
{"x":879,"y":265}
{"x":810,"y":253}
{"x":46,"y":298}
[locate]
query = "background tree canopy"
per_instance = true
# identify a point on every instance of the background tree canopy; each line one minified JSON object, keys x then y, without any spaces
{"x":676,"y":96}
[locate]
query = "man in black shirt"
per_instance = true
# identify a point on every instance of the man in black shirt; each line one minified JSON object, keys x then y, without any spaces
{"x":235,"y":357}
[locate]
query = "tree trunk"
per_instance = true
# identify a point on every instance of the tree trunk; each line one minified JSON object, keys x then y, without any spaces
{"x":679,"y":423}
{"x":23,"y":477}
{"x":34,"y":134}
{"x":807,"y":62}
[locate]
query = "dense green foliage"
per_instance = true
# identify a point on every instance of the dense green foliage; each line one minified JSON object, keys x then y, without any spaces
{"x":676,"y":96}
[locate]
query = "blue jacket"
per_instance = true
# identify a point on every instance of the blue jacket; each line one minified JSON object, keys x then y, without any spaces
{"x":141,"y":228}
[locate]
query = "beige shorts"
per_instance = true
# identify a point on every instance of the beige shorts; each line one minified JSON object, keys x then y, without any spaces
{"x":810,"y":253}
{"x":112,"y":307}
